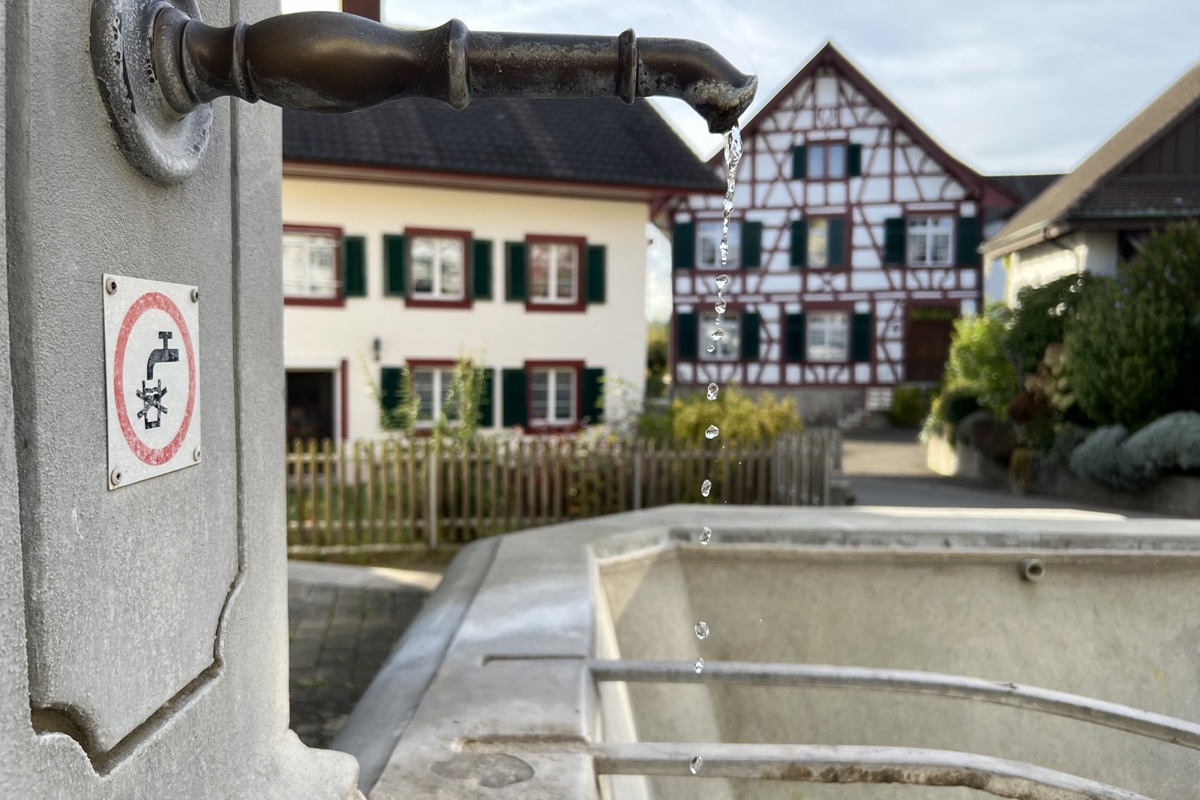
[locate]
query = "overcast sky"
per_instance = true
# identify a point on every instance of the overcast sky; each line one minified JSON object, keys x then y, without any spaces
{"x":1007,"y":86}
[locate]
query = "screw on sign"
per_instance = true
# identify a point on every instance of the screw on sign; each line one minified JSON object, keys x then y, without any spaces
{"x":151,"y":345}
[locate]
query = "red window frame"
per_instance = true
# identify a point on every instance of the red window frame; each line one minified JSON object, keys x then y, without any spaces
{"x":337,"y":234}
{"x":468,"y":269}
{"x":565,"y":427}
{"x":580,"y":243}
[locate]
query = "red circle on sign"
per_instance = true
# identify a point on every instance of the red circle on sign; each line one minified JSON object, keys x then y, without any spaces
{"x":150,"y":455}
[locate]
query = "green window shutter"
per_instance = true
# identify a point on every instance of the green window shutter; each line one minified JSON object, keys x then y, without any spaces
{"x":894,"y":235}
{"x":487,"y":405}
{"x":515,"y":258}
{"x":354,"y":266}
{"x":752,"y":234}
{"x":862,"y":335}
{"x":514,"y":401}
{"x":391,"y":379}
{"x":836,"y":242}
{"x":683,"y":246}
{"x":799,"y":162}
{"x":593,"y":394}
{"x":794,"y":335}
{"x":750,"y":335}
{"x":597,"y":278}
{"x":395,"y":267}
{"x":968,"y":242}
{"x":481,"y":269}
{"x":799,"y":251}
{"x":854,"y":160}
{"x":687,"y":336}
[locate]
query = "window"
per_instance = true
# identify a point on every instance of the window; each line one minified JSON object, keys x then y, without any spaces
{"x":827,"y":161}
{"x":438,"y":268}
{"x":554,"y":272}
{"x":433,"y":388}
{"x":727,"y":345}
{"x":930,"y":241}
{"x":818,"y":243}
{"x":827,"y":336}
{"x":552,"y":394}
{"x":708,"y":239}
{"x":310,"y":265}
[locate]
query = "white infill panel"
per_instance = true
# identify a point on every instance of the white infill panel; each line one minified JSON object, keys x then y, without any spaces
{"x":152,"y":378}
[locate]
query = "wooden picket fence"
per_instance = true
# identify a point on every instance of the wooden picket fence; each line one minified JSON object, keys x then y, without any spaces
{"x":395,"y":494}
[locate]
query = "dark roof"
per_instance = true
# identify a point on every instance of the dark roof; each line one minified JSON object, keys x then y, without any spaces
{"x":587,"y":140}
{"x":1026,"y":187}
{"x":1094,"y":188}
{"x":991,"y":194}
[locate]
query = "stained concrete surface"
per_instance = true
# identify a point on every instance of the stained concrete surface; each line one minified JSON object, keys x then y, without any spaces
{"x":342,"y":623}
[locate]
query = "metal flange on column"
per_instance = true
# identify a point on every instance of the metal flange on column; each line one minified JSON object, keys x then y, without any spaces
{"x":163,"y":144}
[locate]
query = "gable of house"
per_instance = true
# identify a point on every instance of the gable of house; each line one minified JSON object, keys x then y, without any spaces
{"x":1143,"y":174}
{"x":856,"y":238}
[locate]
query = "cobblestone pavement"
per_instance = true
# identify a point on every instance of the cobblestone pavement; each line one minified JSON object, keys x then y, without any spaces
{"x":340,"y":634}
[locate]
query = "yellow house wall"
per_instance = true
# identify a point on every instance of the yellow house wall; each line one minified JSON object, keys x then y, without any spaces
{"x":496,"y":333}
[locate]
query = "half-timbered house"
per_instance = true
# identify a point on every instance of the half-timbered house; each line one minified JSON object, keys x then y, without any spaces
{"x":853,"y":247}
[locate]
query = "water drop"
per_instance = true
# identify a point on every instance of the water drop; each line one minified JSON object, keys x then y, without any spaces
{"x":711,"y":432}
{"x":724,"y":251}
{"x":699,"y":667}
{"x":720,"y":306}
{"x":696,"y":764}
{"x":717,"y":334}
{"x":722,"y":281}
{"x":712,"y":348}
{"x":705,"y":535}
{"x":701,"y":630}
{"x":712,"y":391}
{"x":706,"y":488}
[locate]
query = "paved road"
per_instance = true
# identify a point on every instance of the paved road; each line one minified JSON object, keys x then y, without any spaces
{"x":886,"y":467}
{"x":342,"y":623}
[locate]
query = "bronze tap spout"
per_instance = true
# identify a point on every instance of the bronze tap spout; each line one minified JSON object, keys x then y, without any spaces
{"x":331,"y":62}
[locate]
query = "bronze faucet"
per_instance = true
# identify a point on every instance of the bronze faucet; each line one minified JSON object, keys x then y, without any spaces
{"x":158,"y":55}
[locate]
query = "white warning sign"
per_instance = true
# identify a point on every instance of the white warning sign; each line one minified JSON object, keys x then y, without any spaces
{"x":152,"y":371}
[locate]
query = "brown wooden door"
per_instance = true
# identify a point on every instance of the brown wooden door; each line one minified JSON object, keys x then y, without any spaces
{"x":928,"y":342}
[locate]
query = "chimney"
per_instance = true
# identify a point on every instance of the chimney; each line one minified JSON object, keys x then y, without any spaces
{"x":363,"y":8}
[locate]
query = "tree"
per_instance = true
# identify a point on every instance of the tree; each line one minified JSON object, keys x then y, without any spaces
{"x":658,"y":357}
{"x":1040,"y":319}
{"x":978,"y":361}
{"x":1132,"y":347}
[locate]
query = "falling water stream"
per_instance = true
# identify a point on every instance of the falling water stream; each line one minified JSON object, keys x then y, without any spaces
{"x":733,"y":155}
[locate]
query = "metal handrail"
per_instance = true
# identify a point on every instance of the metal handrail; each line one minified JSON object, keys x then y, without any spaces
{"x":1072,"y":706}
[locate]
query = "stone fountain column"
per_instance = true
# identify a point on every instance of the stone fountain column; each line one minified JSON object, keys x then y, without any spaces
{"x":143,"y":637}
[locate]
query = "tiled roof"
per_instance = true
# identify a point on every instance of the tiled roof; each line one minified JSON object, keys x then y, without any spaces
{"x":590,"y":140}
{"x":1083,"y":191}
{"x":1026,"y":187}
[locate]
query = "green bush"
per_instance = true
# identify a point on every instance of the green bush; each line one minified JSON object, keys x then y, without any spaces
{"x":993,"y":437}
{"x":947,"y":410}
{"x":1099,"y":458}
{"x":1133,"y":344}
{"x":1039,"y":320}
{"x":1169,"y":444}
{"x":742,"y":419}
{"x":1115,"y":458}
{"x":1068,"y":438}
{"x":1126,"y":348}
{"x":910,"y":404}
{"x":978,"y":360}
